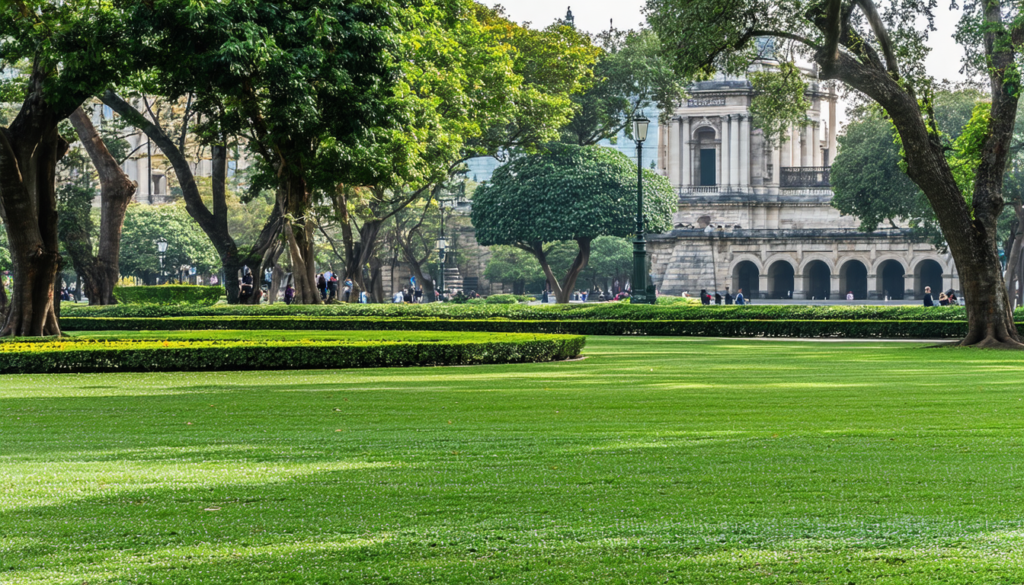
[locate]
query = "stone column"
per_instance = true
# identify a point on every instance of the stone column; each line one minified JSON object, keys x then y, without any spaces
{"x":685,"y":155}
{"x":873,"y":293}
{"x":673,"y":153}
{"x":817,"y":146}
{"x":723,"y":173}
{"x":734,"y":150}
{"x":762,"y":286}
{"x":745,"y":152}
{"x":909,"y":290}
{"x":795,"y":145}
{"x":807,"y":157}
{"x":798,"y":286}
{"x":836,"y":293}
{"x":831,"y":127}
{"x":776,"y":165}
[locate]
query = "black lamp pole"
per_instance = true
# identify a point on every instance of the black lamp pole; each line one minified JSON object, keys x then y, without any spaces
{"x":639,"y":293}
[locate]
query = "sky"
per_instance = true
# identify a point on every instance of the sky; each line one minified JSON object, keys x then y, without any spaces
{"x":594,"y":15}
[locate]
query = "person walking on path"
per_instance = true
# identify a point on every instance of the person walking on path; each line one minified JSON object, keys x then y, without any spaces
{"x":718,"y":298}
{"x":739,"y":297}
{"x":321,"y":285}
{"x":928,"y":302}
{"x":728,"y":296}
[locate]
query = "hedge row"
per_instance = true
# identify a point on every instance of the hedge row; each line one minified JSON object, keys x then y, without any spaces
{"x":168,"y":294}
{"x":849,"y":328}
{"x":146,"y":356}
{"x":603,"y":311}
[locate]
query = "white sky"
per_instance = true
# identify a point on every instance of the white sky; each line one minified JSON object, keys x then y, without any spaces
{"x":594,"y":15}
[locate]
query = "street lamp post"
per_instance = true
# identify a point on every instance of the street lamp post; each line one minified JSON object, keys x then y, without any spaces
{"x":442,"y":248}
{"x":161,"y":248}
{"x":639,"y":294}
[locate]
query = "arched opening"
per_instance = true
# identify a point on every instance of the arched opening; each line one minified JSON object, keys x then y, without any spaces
{"x":745,"y":278}
{"x":928,"y":273}
{"x":817,"y":280}
{"x":853,"y":277}
{"x":780,"y":280}
{"x":890,"y":280}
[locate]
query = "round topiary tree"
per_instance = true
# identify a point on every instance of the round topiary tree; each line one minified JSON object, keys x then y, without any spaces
{"x":567,"y":193}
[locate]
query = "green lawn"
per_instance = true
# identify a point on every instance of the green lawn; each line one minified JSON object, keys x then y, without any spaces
{"x":654,"y":460}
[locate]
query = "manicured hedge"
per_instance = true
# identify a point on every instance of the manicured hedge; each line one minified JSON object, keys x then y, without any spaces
{"x":847,"y":328}
{"x":597,"y":311}
{"x":168,"y":294}
{"x":128,"y":355}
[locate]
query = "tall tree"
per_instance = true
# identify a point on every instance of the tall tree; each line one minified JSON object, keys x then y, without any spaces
{"x":299,"y":82}
{"x":567,"y":193}
{"x":213,"y":222}
{"x":67,"y":50}
{"x":475,"y":84}
{"x":99,"y":270}
{"x":879,"y":53}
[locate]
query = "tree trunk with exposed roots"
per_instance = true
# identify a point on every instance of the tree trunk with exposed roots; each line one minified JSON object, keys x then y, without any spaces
{"x":29,"y":150}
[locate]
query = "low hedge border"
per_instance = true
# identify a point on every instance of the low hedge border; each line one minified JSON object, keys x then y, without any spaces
{"x":59,"y":356}
{"x":601,"y":311}
{"x":168,"y":294}
{"x":851,"y":328}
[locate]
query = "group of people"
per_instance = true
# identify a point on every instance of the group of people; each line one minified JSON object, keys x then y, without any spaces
{"x":596,"y":294}
{"x":706,"y":298}
{"x":327,"y":283}
{"x":946,"y":298}
{"x":407,"y":295}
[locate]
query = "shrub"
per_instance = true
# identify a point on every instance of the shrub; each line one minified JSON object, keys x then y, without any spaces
{"x":502,"y":300}
{"x":145,"y":355}
{"x":589,"y":311}
{"x":168,"y":294}
{"x":851,"y":328}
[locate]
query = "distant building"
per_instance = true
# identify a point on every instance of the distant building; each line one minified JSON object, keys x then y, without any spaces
{"x":759,"y":218}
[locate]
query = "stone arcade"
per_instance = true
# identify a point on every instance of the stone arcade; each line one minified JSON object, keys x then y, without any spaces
{"x":759,"y":218}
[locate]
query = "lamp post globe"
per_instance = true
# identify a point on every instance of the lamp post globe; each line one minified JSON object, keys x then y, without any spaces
{"x":161,"y":248}
{"x":639,"y":293}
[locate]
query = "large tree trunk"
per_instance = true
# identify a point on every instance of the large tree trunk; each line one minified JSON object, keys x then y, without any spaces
{"x":563,"y":289}
{"x":3,"y":299}
{"x":29,"y":151}
{"x":299,"y":230}
{"x":100,"y":272}
{"x":215,"y":223}
{"x":970,"y":233}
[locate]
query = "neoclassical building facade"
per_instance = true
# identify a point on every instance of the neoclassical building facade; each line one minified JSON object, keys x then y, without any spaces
{"x":758,"y":218}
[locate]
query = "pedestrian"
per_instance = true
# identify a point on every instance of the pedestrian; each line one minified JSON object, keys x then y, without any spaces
{"x":928,"y":302}
{"x":718,"y":298}
{"x":544,"y":297}
{"x":348,"y":289}
{"x":245,"y":289}
{"x":332,"y":287}
{"x":739,"y":297}
{"x":418,"y":297}
{"x":397,"y":298}
{"x":704,"y":297}
{"x":728,"y":296}
{"x":849,"y":296}
{"x":289,"y":294}
{"x":406,"y":295}
{"x":321,"y":285}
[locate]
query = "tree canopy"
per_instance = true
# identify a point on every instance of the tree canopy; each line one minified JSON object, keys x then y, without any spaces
{"x":567,"y":193}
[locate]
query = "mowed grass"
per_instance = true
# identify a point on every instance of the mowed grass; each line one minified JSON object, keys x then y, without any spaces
{"x":654,"y":460}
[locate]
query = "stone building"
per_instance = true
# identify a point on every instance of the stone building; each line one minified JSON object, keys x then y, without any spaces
{"x":759,"y":218}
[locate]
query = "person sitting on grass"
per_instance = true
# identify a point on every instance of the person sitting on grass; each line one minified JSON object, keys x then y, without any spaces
{"x":943,"y":300}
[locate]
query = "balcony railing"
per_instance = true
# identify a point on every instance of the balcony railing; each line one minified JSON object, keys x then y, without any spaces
{"x":791,"y":177}
{"x":698,"y":190}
